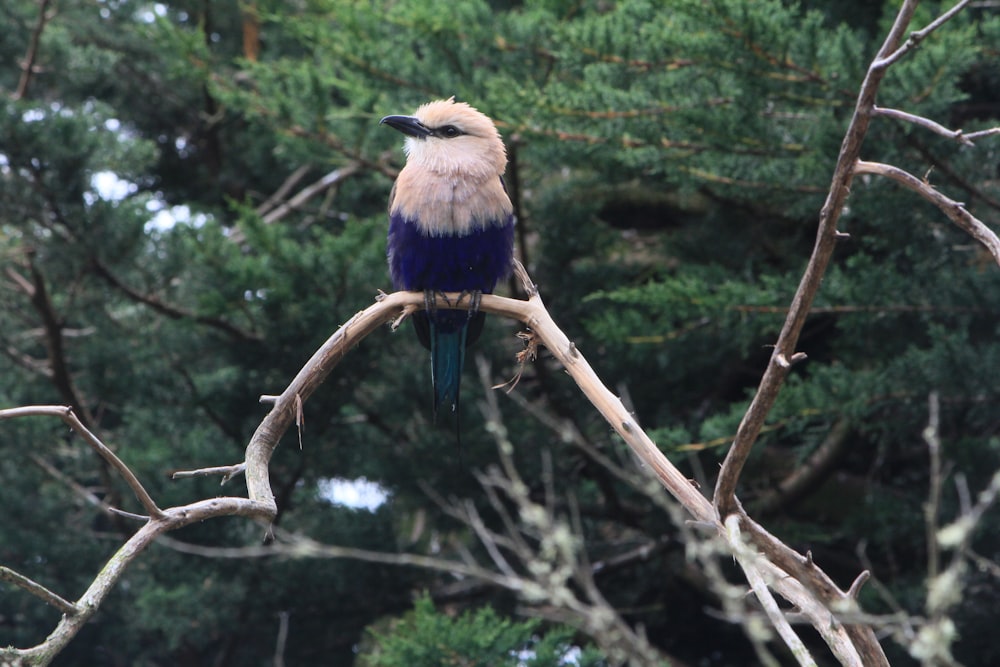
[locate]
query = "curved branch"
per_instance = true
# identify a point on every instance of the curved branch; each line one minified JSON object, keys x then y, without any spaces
{"x":533,"y":314}
{"x":808,"y":587}
{"x":393,"y":308}
{"x":111,"y":573}
{"x":955,"y":211}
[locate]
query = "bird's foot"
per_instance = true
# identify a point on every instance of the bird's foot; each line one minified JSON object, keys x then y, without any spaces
{"x":475,"y":298}
{"x":430,"y":301}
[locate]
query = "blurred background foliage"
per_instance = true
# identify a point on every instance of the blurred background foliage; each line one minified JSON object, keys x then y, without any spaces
{"x":668,"y":162}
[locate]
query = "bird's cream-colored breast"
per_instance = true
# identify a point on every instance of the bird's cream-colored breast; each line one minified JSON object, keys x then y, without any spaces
{"x":448,"y":204}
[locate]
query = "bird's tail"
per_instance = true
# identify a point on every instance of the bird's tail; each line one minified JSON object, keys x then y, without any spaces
{"x":447,"y":359}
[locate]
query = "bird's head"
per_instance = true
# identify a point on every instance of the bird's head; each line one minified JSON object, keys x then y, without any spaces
{"x":450,"y":137}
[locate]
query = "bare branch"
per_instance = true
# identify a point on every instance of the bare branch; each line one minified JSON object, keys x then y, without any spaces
{"x":807,"y":473}
{"x":305,"y":194}
{"x":983,"y":133}
{"x":279,"y":644}
{"x":747,"y":558}
{"x":884,"y":61}
{"x":227,"y":472}
{"x":111,"y":573}
{"x":932,"y":509}
{"x":299,"y":546}
{"x":955,"y":211}
{"x":39,"y":591}
{"x":925,"y":123}
{"x":67,"y":415}
{"x":826,"y":238}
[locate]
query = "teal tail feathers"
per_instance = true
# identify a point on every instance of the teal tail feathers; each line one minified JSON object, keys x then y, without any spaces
{"x":447,"y":359}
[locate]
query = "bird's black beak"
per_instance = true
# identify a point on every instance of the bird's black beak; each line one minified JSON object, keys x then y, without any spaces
{"x":408,"y":125}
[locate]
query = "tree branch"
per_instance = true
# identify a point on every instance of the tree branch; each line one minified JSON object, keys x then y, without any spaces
{"x":955,"y":211}
{"x":169,"y":310}
{"x":826,"y":238}
{"x":28,"y":64}
{"x":808,"y":473}
{"x":39,"y":591}
{"x":305,"y":194}
{"x":392,"y":308}
{"x":925,"y":123}
{"x":67,"y":415}
{"x":747,"y":557}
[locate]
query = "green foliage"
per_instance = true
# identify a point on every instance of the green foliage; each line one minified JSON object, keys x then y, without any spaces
{"x":669,"y":160}
{"x":426,"y":637}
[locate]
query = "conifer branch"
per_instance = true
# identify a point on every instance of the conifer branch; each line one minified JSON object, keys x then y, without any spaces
{"x":167,"y":309}
{"x":28,"y":64}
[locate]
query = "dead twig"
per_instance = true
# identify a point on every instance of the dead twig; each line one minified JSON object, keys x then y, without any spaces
{"x":67,"y":415}
{"x":955,"y":211}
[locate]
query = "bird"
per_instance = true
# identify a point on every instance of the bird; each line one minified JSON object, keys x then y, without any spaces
{"x":451,"y":228}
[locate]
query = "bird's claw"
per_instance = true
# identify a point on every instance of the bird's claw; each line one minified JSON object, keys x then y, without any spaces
{"x":475,"y":298}
{"x":430,"y":301}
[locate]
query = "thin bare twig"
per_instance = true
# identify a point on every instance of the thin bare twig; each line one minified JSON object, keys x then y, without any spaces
{"x":808,"y":473}
{"x":925,"y":123}
{"x":917,"y":36}
{"x":305,"y":194}
{"x":279,"y":644}
{"x":989,"y":132}
{"x":39,"y":591}
{"x":67,"y":415}
{"x":932,"y":437}
{"x":227,"y":472}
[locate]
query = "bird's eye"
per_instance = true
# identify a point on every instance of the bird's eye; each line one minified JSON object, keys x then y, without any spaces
{"x":449,"y":131}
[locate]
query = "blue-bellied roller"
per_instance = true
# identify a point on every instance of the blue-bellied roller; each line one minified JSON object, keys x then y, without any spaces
{"x":451,"y":228}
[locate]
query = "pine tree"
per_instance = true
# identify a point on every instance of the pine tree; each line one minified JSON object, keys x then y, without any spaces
{"x":668,"y":161}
